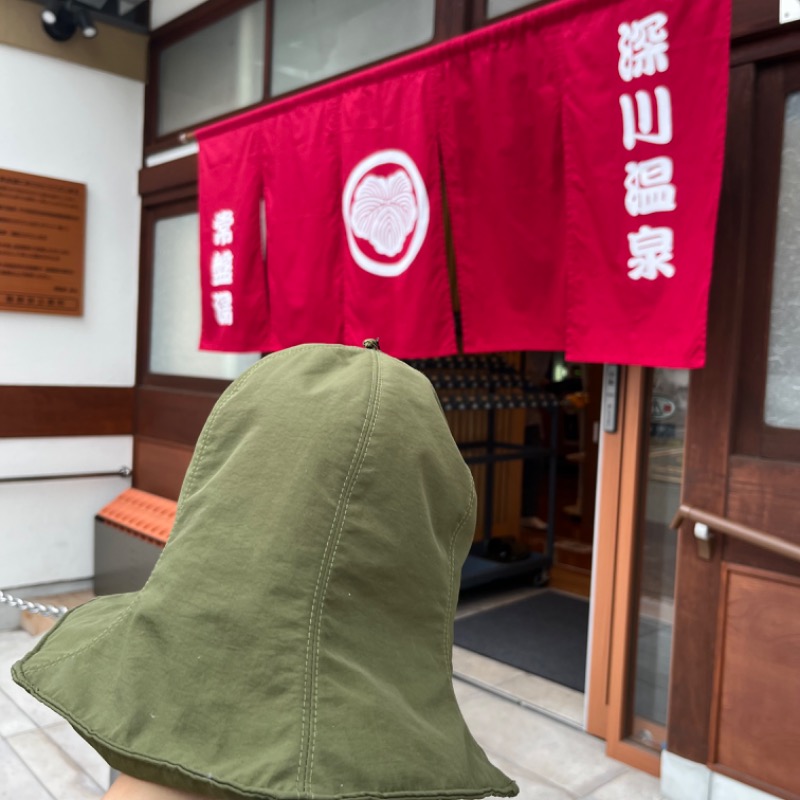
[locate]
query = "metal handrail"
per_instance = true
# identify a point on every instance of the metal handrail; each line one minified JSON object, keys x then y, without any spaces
{"x":122,"y":472}
{"x":750,"y":535}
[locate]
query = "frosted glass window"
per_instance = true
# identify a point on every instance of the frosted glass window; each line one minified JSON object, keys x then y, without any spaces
{"x":175,"y":323}
{"x":214,"y":71}
{"x":315,"y":39}
{"x":496,"y":8}
{"x":782,"y":404}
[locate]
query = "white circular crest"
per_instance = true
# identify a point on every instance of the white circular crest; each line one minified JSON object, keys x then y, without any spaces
{"x":384,"y":210}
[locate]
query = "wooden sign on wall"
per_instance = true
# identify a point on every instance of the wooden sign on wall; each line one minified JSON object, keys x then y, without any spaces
{"x":42,"y":223}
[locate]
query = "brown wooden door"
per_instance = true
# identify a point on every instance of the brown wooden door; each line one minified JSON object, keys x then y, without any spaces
{"x":735,"y":685}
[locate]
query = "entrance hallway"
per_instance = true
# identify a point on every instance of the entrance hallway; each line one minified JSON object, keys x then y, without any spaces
{"x":41,"y":758}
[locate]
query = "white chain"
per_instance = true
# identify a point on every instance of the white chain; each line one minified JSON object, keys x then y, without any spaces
{"x":36,"y":608}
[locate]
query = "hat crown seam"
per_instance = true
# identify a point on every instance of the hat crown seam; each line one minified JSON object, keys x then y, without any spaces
{"x":311,"y":673}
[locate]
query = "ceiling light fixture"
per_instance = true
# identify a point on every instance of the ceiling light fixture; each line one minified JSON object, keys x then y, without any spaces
{"x":62,"y":28}
{"x":61,"y":18}
{"x":85,"y":23}
{"x":50,"y":12}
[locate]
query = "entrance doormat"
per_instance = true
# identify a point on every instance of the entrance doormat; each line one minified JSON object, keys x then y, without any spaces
{"x":544,"y":634}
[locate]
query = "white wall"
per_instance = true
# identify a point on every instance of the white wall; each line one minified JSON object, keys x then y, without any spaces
{"x":69,"y":122}
{"x":47,"y":527}
{"x":65,"y":121}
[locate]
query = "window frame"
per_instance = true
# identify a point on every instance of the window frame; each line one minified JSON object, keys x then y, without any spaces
{"x":480,"y":12}
{"x":753,"y":436}
{"x":451,"y":18}
{"x":169,"y":201}
{"x":182,"y":27}
{"x":170,"y":188}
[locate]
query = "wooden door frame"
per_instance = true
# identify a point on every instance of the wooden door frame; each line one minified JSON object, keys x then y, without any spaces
{"x":629,"y":529}
{"x":614,"y":580}
{"x":609,"y":479}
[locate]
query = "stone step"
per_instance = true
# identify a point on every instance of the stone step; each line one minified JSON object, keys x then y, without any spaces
{"x":37,"y":624}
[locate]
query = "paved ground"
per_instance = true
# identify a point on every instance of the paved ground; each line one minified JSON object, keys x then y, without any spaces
{"x":41,"y":758}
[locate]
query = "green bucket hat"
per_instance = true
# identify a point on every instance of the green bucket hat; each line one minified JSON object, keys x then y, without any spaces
{"x":294,"y":639}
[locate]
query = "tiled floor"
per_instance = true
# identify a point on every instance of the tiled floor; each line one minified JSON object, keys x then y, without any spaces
{"x":559,"y":702}
{"x":41,"y":758}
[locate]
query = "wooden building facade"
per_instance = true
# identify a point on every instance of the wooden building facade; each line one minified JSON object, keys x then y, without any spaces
{"x":734,"y":693}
